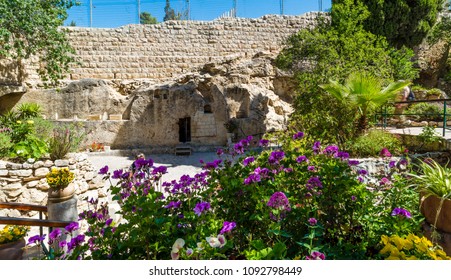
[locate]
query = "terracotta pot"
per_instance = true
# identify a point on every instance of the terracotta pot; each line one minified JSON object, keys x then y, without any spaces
{"x":12,"y":250}
{"x":61,"y":193}
{"x":429,"y":208}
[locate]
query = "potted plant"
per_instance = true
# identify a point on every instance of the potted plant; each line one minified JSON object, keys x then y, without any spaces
{"x":59,"y":180}
{"x":434,"y":186}
{"x":12,"y":242}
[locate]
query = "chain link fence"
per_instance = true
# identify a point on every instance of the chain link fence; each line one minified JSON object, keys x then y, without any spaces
{"x":115,"y":13}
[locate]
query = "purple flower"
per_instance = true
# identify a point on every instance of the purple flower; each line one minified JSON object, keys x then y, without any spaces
{"x":316,"y":147}
{"x":342,"y":155}
{"x":298,"y":135}
{"x":353,"y":162}
{"x":401,"y":212}
{"x":314,"y":182}
{"x":311,"y":168}
{"x":62,"y":243}
{"x":312,"y":221}
{"x":213,"y":165}
{"x":71,"y":227}
{"x":160,"y":169}
{"x":219,"y":152}
{"x":173,"y":204}
{"x":239,"y":148}
{"x":403,"y":162}
{"x":227,"y":226}
{"x":55,"y":234}
{"x":385,"y":181}
{"x":264,"y":143}
{"x":301,"y":159}
{"x":248,"y":160}
{"x":108,"y":222}
{"x":385,"y":153}
{"x":315,"y":255}
{"x":36,"y":239}
{"x":279,"y":201}
{"x":362,"y":172}
{"x":353,"y":198}
{"x":275,"y":157}
{"x":392,"y":164}
{"x":201,"y":207}
{"x":253,"y":178}
{"x":331,"y":150}
{"x":104,"y":170}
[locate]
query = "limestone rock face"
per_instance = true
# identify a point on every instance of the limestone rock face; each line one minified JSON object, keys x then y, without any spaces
{"x":248,"y":90}
{"x":432,"y":62}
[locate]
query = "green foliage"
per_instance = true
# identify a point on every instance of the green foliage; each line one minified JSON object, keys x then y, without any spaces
{"x":402,"y":22}
{"x":65,"y":139}
{"x":432,"y":179}
{"x":32,"y":27}
{"x":363,"y":93}
{"x":147,"y":18}
{"x":5,"y":144}
{"x":28,"y":110}
{"x":332,"y":51}
{"x":371,"y":143}
{"x":425,"y":112}
{"x":170,"y":14}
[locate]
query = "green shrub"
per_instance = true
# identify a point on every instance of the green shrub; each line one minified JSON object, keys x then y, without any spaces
{"x":5,"y":144}
{"x":65,"y":139}
{"x":425,"y":112}
{"x":370,"y":144}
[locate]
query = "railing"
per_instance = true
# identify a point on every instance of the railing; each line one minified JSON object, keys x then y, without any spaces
{"x":382,"y":116}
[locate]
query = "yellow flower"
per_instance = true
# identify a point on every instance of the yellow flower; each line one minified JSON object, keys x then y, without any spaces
{"x":385,"y":239}
{"x":30,"y":122}
{"x":398,"y":241}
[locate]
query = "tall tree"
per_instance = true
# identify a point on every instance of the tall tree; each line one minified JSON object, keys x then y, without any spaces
{"x":31,"y":27}
{"x":147,"y":18}
{"x":337,"y":47}
{"x":402,"y":22}
{"x":169,"y":13}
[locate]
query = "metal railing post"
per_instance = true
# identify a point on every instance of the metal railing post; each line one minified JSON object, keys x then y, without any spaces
{"x":444,"y":117}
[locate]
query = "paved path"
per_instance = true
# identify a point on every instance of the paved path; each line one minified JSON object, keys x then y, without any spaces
{"x":177,"y":165}
{"x":419,"y":130}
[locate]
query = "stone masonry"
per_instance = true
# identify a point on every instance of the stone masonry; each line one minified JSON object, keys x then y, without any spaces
{"x":165,"y":50}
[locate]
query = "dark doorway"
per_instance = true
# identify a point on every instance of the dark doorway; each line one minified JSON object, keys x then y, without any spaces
{"x":185,"y":130}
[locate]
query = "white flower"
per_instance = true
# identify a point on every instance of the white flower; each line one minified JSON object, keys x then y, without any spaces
{"x":222,"y":240}
{"x":213,"y":241}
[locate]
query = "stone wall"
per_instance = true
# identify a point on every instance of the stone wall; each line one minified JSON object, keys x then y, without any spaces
{"x":26,"y":183}
{"x":164,"y":50}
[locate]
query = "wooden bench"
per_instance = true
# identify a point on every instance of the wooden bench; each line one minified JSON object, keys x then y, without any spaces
{"x":41,"y":222}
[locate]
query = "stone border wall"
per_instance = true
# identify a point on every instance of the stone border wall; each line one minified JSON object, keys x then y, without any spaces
{"x":26,"y":183}
{"x":165,"y":50}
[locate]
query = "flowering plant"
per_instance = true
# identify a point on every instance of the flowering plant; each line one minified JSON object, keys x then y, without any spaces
{"x":411,"y":247}
{"x":59,"y":177}
{"x":12,"y":233}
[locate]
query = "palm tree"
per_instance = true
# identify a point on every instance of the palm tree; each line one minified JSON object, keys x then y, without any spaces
{"x":364,"y":92}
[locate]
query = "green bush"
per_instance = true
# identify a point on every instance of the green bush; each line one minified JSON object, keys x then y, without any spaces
{"x":5,"y":144}
{"x":65,"y":139}
{"x":370,"y":144}
{"x":425,"y":112}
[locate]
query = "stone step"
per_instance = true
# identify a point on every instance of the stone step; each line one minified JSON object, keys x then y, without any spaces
{"x":183,"y":151}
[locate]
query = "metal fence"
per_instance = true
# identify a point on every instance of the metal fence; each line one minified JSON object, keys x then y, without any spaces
{"x":115,"y":13}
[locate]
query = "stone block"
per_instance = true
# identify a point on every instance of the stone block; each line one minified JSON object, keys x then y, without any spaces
{"x":61,"y":163}
{"x":41,"y":172}
{"x":3,"y":172}
{"x":94,"y":117}
{"x":115,"y":117}
{"x":21,"y":172}
{"x":2,"y":164}
{"x":38,"y":164}
{"x":48,"y":163}
{"x":13,"y":166}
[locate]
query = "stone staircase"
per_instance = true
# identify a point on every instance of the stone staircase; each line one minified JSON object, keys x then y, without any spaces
{"x":183,"y":150}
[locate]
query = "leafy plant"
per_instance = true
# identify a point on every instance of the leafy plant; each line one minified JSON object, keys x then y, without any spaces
{"x":13,"y":233}
{"x":411,"y":247}
{"x":371,"y":143}
{"x":425,"y":112}
{"x":59,"y":177}
{"x":433,"y":179}
{"x":66,"y":138}
{"x":28,"y":111}
{"x":363,"y":92}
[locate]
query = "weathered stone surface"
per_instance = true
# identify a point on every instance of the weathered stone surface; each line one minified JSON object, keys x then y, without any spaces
{"x":21,"y":172}
{"x":13,"y":190}
{"x":42,"y":171}
{"x":13,"y":166}
{"x":89,"y":176}
{"x":432,"y":61}
{"x":61,"y":163}
{"x":48,"y":163}
{"x":38,"y":164}
{"x":3,"y":172}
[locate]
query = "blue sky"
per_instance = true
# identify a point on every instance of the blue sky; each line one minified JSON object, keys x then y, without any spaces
{"x":115,"y":13}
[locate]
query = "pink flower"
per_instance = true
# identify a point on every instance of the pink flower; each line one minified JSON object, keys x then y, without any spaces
{"x":385,"y":153}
